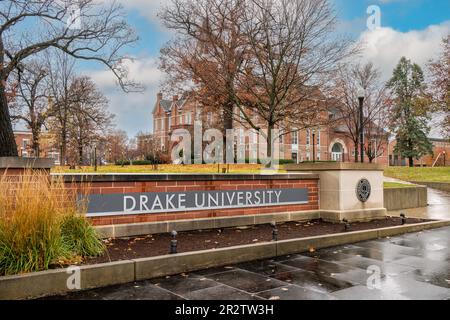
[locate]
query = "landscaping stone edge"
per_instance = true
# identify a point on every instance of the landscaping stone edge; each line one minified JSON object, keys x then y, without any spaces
{"x":54,"y":282}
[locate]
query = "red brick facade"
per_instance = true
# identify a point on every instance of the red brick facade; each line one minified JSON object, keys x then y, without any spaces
{"x":324,"y":143}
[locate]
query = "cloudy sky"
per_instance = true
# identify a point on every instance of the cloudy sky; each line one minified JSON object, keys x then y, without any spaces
{"x":413,"y":28}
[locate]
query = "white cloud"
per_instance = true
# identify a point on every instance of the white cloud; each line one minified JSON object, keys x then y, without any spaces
{"x":146,"y":8}
{"x":132,"y":110}
{"x":385,"y":46}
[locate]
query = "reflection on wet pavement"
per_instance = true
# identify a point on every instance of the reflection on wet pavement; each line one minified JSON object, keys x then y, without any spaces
{"x":412,"y":266}
{"x":438,"y":207}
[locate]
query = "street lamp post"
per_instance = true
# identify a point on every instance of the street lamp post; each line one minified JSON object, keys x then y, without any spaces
{"x":361,"y":96}
{"x":314,"y":144}
{"x":95,"y":157}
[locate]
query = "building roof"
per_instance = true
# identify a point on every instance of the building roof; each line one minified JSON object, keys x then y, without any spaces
{"x":166,"y":105}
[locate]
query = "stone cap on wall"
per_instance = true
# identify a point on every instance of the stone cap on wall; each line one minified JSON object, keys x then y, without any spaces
{"x":334,"y":166}
{"x":25,"y":163}
{"x":125,"y":177}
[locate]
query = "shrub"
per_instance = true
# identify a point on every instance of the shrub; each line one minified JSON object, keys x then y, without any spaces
{"x":79,"y":237}
{"x":286,"y":161}
{"x":41,"y":225}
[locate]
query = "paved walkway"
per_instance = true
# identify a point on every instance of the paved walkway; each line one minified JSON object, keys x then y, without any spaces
{"x":412,"y":266}
{"x":438,"y":205}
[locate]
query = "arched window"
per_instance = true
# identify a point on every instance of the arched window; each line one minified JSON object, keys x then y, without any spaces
{"x":337,"y":152}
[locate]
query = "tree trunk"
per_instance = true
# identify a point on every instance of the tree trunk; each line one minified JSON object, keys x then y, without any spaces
{"x":411,"y":162}
{"x":269,"y":145}
{"x":227,"y":114}
{"x":8,"y":147}
{"x":63,"y":147}
{"x":80,"y":153}
{"x":36,"y":144}
{"x":356,"y":152}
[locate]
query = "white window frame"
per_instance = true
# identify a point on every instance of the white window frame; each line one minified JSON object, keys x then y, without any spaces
{"x":295,"y":137}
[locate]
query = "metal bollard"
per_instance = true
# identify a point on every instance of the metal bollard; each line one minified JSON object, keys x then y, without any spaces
{"x":173,"y":242}
{"x":273,"y":224}
{"x":403,"y":217}
{"x":347,"y":226}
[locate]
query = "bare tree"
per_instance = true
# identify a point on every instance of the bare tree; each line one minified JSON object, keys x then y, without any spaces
{"x":89,"y":119}
{"x":209,"y":51}
{"x":348,"y":82}
{"x":88,"y":30}
{"x":117,"y":143}
{"x":291,"y":52}
{"x":439,"y":71}
{"x":61,"y":77}
{"x":265,"y":57}
{"x":31,"y":105}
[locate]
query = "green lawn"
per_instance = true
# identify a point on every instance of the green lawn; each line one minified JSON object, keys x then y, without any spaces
{"x":166,"y":168}
{"x":419,"y":174}
{"x":389,"y":185}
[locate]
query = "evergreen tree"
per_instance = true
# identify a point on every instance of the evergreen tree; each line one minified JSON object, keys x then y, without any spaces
{"x":410,"y":111}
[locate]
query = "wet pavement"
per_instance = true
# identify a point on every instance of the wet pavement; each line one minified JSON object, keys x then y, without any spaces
{"x":438,"y":205}
{"x":412,"y":266}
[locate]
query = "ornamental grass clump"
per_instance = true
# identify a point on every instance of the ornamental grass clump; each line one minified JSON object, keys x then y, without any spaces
{"x":42,"y":225}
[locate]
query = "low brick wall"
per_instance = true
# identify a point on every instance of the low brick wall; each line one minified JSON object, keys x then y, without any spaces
{"x":144,"y":183}
{"x":405,"y":198}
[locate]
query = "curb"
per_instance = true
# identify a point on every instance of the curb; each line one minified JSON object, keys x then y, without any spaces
{"x":54,"y":282}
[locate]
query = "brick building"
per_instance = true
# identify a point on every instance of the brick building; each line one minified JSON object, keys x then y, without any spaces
{"x":331,"y":143}
{"x":440,"y":156}
{"x":48,"y":146}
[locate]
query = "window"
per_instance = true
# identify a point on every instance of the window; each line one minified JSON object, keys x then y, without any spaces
{"x":188,"y":118}
{"x":25,"y":143}
{"x":295,"y":137}
{"x":254,"y":136}
{"x":295,"y":157}
{"x":318,"y":137}
{"x":308,"y":137}
{"x":241,"y":137}
{"x":318,"y":155}
{"x":198,"y":114}
{"x":162,"y":124}
{"x":181,"y":118}
{"x":209,"y":118}
{"x":170,"y":121}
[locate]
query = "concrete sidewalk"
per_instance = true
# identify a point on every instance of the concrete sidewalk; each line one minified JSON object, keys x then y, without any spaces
{"x":438,"y":205}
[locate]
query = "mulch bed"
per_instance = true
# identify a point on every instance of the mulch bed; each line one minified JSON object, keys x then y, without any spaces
{"x":159,"y":244}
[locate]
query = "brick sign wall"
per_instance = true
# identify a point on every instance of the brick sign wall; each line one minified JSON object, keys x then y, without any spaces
{"x":229,"y":195}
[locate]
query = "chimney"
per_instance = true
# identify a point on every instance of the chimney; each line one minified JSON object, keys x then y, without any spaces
{"x":159,"y":96}
{"x":175,"y":98}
